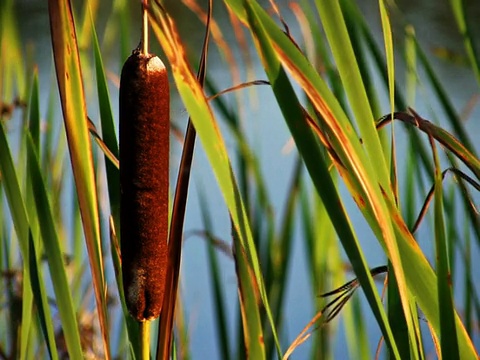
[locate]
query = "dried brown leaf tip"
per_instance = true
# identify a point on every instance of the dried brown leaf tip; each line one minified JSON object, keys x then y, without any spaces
{"x":144,"y":158}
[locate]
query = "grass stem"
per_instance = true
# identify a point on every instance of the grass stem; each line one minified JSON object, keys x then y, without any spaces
{"x":145,"y":339}
{"x":144,"y":27}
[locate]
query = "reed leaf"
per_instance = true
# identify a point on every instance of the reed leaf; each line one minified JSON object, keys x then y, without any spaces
{"x":215,"y":274}
{"x":51,"y":244}
{"x":70,"y":86}
{"x":448,"y":332}
{"x":27,"y":294}
{"x":466,"y":32}
{"x":108,"y":130}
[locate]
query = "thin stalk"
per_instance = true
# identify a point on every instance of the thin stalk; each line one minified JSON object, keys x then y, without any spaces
{"x":144,"y":27}
{"x":145,"y":339}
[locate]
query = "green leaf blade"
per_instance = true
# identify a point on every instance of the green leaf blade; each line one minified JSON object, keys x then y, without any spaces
{"x":70,"y":85}
{"x":55,"y":258}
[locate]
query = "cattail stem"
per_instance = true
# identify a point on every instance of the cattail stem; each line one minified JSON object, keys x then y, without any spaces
{"x":145,"y":27}
{"x":145,"y":339}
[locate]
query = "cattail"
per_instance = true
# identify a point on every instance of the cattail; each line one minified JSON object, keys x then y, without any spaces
{"x":144,"y":155}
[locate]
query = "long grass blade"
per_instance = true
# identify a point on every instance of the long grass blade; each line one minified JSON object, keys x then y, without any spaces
{"x":249,"y":299}
{"x":283,"y":246}
{"x":13,"y":82}
{"x":54,"y":254}
{"x":219,"y":301}
{"x":108,"y":130}
{"x":404,"y":333}
{"x":70,"y":85}
{"x":27,"y":312}
{"x":458,"y":7}
{"x":339,"y":41}
{"x":27,"y":294}
{"x":388,"y":42}
{"x":322,"y":257}
{"x":448,"y":332}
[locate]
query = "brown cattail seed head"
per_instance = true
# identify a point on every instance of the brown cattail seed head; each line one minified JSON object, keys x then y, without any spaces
{"x":144,"y":156}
